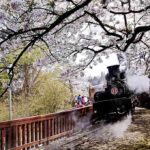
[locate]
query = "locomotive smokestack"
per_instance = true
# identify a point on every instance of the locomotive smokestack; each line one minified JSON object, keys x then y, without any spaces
{"x":113,"y":70}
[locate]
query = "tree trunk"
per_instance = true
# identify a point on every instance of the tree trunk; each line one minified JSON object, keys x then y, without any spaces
{"x":26,"y":85}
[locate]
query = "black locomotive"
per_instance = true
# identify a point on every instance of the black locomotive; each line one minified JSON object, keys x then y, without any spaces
{"x":115,"y":100}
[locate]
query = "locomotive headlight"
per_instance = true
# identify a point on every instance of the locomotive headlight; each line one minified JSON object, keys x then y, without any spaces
{"x":113,"y":78}
{"x":95,"y":111}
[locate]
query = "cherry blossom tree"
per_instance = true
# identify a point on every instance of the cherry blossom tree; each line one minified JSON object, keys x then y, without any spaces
{"x":69,"y":27}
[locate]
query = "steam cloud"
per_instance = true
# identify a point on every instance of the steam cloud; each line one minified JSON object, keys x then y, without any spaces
{"x":138,"y":84}
{"x":115,"y":130}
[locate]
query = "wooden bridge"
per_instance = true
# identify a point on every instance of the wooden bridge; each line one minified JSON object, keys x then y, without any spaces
{"x":27,"y":133}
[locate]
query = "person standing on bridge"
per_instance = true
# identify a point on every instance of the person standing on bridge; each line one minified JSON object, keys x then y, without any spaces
{"x":86,"y":100}
{"x":79,"y":100}
{"x":83,"y":100}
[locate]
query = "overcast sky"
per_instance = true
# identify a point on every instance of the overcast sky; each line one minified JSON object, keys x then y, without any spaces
{"x":102,"y":67}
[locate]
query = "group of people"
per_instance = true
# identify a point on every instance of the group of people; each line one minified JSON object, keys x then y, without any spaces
{"x":81,"y":101}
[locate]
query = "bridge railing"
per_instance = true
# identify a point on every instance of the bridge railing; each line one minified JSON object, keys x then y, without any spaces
{"x":26,"y":133}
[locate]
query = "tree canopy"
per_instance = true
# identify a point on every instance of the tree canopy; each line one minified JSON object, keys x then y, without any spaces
{"x":69,"y":27}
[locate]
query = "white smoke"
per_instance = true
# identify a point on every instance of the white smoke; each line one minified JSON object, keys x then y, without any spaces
{"x":120,"y":127}
{"x":109,"y":131}
{"x":138,"y":84}
{"x":80,"y":123}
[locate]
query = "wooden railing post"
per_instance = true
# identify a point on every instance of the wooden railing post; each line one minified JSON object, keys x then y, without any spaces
{"x":4,"y":139}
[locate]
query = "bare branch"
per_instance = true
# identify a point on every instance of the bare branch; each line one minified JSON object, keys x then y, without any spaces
{"x":139,"y":38}
{"x":103,"y":26}
{"x":66,"y":23}
{"x":136,"y":32}
{"x":130,"y":11}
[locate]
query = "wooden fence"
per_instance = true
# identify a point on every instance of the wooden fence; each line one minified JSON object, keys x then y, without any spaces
{"x":26,"y":133}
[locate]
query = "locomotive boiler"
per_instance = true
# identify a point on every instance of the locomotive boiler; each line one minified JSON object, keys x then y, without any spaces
{"x":115,"y":100}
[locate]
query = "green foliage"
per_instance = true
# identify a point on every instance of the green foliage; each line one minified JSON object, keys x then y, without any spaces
{"x":28,"y":58}
{"x":3,"y":110}
{"x":49,"y":95}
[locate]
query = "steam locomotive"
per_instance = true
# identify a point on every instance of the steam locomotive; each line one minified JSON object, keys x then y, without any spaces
{"x":115,"y":100}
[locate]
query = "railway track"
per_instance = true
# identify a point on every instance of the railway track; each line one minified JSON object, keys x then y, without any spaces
{"x":86,"y":136}
{"x":75,"y":140}
{"x":82,"y":137}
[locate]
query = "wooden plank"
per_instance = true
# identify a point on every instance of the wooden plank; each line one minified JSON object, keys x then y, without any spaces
{"x":9,"y":134}
{"x":45,"y":131}
{"x":69,"y":121}
{"x":13,"y":136}
{"x":63,"y":123}
{"x":66,"y":123}
{"x":56,"y":125}
{"x":37,"y":131}
{"x":33,"y":131}
{"x":3,"y":139}
{"x":20,"y":135}
{"x":43,"y":140}
{"x":59,"y":126}
{"x":49,"y":128}
{"x":41,"y":131}
{"x":25,"y":135}
{"x":0,"y":138}
{"x":52,"y":123}
{"x":29,"y":133}
{"x":16,"y":129}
